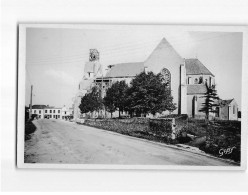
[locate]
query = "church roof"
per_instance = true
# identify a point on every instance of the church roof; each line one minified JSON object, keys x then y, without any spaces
{"x":196,"y":89}
{"x":195,"y":67}
{"x":163,"y":53}
{"x":125,"y":69}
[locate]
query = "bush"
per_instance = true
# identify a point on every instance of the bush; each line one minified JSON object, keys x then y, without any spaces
{"x":218,"y":150}
{"x":222,"y":135}
{"x":29,"y":129}
{"x":183,"y":140}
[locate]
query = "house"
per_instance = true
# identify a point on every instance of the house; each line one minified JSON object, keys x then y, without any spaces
{"x":187,"y":78}
{"x":65,"y":113}
{"x":227,"y":110}
{"x":50,"y":112}
{"x":39,"y":110}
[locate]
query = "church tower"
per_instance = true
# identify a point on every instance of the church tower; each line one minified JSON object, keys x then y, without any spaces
{"x":92,"y":70}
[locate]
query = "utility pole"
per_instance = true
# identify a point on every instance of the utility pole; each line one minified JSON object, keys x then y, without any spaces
{"x":30,"y":105}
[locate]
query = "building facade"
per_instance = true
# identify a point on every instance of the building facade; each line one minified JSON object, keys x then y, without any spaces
{"x":49,"y":112}
{"x":187,"y":77}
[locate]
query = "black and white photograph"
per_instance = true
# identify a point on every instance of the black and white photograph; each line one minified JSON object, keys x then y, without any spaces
{"x":130,"y":96}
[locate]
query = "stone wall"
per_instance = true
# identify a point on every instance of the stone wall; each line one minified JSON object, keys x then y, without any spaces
{"x":163,"y":128}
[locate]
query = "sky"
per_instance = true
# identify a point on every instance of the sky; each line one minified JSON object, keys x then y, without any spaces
{"x":55,"y":57}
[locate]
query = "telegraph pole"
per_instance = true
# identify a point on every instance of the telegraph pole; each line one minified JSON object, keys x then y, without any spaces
{"x":30,"y":105}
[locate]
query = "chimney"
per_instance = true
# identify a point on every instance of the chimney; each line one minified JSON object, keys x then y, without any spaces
{"x":146,"y":69}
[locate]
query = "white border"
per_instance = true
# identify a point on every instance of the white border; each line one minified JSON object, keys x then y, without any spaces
{"x":205,"y":28}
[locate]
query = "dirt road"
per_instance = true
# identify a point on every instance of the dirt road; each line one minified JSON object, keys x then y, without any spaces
{"x":57,"y":141}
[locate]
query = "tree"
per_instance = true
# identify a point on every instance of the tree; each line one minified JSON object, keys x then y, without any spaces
{"x":108,"y":101}
{"x":149,"y":94}
{"x":115,"y":97}
{"x":91,"y":102}
{"x":210,"y":103}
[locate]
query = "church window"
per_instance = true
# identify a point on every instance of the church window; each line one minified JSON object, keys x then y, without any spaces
{"x":200,"y":80}
{"x":189,"y":80}
{"x":233,"y":109}
{"x":196,"y":81}
{"x":166,"y":77}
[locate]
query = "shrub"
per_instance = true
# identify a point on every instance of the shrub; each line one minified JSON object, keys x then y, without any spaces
{"x":29,"y":129}
{"x":222,"y":135}
{"x":183,"y":140}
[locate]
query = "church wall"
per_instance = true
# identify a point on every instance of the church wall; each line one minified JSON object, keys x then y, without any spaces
{"x":205,"y":78}
{"x":127,"y":79}
{"x":182,"y":92}
{"x":160,"y":60}
{"x":198,"y":106}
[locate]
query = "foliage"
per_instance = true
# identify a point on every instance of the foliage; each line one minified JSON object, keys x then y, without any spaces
{"x":92,"y":101}
{"x":148,"y":94}
{"x":115,"y":97}
{"x":33,"y":116}
{"x":26,"y":114}
{"x":210,"y":101}
{"x":29,"y":129}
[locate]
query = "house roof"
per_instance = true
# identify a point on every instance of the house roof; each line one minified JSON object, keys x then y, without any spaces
{"x":125,"y":69}
{"x":39,"y":106}
{"x":196,"y":89}
{"x":195,"y":67}
{"x":223,"y":103}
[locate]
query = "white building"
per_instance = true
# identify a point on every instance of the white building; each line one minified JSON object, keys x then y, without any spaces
{"x":52,"y":112}
{"x":39,"y":110}
{"x":49,"y":112}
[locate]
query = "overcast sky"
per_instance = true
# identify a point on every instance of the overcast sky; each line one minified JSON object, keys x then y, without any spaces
{"x":55,"y":58}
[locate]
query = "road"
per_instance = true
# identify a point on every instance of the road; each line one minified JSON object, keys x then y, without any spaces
{"x":57,"y":141}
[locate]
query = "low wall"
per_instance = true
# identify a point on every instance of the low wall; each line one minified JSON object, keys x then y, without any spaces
{"x":160,"y":128}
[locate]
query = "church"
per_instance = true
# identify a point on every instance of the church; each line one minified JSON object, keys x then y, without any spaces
{"x":187,"y":79}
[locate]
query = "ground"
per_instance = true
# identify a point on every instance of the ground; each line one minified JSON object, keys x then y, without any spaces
{"x":57,"y":141}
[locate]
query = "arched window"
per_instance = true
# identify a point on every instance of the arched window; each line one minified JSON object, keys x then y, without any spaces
{"x":166,"y":77}
{"x":196,"y":81}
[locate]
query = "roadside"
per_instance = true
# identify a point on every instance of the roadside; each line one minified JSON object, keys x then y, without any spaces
{"x":191,"y":137}
{"x":69,"y":143}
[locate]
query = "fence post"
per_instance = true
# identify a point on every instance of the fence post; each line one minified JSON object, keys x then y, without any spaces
{"x":173,"y":127}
